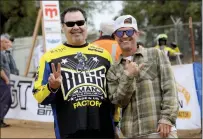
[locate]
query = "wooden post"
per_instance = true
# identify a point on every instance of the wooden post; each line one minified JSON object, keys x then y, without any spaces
{"x":37,"y":25}
{"x":43,"y":34}
{"x":192,"y":44}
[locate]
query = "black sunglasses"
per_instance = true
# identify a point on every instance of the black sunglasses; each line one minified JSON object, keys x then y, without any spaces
{"x":129,"y":33}
{"x":78,"y":23}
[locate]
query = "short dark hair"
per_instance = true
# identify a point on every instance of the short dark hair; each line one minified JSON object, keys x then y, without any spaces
{"x":73,"y":9}
{"x":12,"y":38}
{"x":7,"y":36}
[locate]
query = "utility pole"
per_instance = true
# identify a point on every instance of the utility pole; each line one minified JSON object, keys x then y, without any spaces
{"x":175,"y":27}
{"x":192,"y":43}
{"x":176,"y":23}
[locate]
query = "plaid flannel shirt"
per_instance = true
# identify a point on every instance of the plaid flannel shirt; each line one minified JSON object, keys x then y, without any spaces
{"x":148,"y":98}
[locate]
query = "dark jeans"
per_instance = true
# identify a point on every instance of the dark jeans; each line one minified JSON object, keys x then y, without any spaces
{"x":5,"y":98}
{"x":89,"y":134}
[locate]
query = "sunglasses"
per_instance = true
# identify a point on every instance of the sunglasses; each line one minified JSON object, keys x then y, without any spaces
{"x":78,"y":23}
{"x":129,"y":33}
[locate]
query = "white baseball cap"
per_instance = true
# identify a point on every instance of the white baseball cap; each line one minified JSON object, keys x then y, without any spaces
{"x":107,"y":27}
{"x":125,"y":21}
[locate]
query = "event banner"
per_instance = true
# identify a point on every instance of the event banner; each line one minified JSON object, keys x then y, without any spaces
{"x":51,"y":24}
{"x":189,"y":116}
{"x":25,"y":107}
{"x":197,"y":70}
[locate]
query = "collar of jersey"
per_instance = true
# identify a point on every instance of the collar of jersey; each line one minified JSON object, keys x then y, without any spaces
{"x":74,"y":46}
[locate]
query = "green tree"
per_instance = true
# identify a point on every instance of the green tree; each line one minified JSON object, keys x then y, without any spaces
{"x":90,"y":7}
{"x":158,"y":12}
{"x":152,"y":14}
{"x":18,"y":17}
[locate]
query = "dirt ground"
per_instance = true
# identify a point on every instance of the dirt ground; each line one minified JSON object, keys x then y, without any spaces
{"x":30,"y":129}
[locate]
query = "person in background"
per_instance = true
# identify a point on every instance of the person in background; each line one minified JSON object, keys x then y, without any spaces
{"x":72,"y":78}
{"x":162,"y":45}
{"x":12,"y":64}
{"x":106,"y":40}
{"x":142,"y":83}
{"x":5,"y":92}
{"x":38,"y":53}
{"x":179,"y":56}
{"x":174,"y":46}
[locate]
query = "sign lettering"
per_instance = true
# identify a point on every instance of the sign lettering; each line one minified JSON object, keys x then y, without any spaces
{"x":51,"y":11}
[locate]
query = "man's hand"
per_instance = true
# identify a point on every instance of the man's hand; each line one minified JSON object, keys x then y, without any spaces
{"x":55,"y":78}
{"x":4,"y":77}
{"x":164,"y":130}
{"x":131,"y":68}
{"x":7,"y":82}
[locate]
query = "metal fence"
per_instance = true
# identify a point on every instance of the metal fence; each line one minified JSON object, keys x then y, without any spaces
{"x":181,"y":35}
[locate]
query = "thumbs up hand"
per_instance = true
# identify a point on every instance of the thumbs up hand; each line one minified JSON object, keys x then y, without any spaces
{"x":131,"y":68}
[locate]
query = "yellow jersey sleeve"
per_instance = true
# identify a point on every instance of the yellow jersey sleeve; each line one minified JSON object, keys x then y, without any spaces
{"x":41,"y":90}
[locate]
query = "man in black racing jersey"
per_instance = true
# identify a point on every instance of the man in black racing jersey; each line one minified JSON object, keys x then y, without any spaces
{"x":72,"y":78}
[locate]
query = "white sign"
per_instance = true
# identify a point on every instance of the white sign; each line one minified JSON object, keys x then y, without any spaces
{"x":52,"y":24}
{"x":189,"y":111}
{"x":24,"y":105}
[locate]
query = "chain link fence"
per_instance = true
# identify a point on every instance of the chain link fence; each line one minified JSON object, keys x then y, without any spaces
{"x":181,"y":35}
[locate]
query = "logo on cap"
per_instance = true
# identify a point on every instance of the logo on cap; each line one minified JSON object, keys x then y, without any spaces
{"x":128,"y":21}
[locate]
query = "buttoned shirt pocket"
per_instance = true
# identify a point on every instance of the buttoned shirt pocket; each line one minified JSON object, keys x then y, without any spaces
{"x":148,"y":71}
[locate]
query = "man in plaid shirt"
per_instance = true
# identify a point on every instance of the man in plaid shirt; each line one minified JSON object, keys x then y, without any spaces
{"x":143,"y":84}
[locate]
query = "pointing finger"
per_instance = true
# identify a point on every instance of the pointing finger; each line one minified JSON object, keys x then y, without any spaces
{"x":52,"y":77}
{"x":49,"y":79}
{"x":59,"y":68}
{"x":53,"y":68}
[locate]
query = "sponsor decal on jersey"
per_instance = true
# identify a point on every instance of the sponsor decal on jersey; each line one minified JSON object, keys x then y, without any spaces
{"x":84,"y":83}
{"x":96,"y":49}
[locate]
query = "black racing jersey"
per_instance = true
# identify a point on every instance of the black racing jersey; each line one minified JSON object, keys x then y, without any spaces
{"x":82,"y":102}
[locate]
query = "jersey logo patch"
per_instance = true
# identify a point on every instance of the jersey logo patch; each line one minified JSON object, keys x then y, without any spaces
{"x":82,"y":64}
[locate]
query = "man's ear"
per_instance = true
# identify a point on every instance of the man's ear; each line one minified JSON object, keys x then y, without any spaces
{"x":113,"y":36}
{"x":138,"y":33}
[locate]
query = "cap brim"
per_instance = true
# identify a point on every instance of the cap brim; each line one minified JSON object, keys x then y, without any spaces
{"x":126,"y":25}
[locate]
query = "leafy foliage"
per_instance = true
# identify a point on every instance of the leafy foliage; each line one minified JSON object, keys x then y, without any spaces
{"x":154,"y":17}
{"x":158,"y":12}
{"x":18,"y":17}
